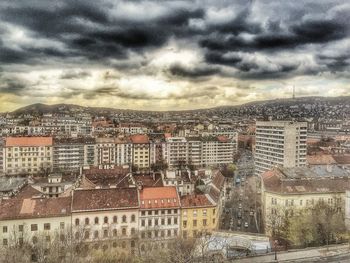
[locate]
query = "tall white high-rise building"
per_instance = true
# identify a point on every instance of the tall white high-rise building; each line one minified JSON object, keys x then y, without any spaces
{"x":279,"y":143}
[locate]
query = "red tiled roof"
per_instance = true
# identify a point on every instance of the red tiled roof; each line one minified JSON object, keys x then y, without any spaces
{"x":159,"y":197}
{"x":342,"y":159}
{"x":223,"y":138}
{"x":148,"y":181}
{"x":320,"y":159}
{"x":17,"y":208}
{"x":107,"y":177}
{"x":28,"y":141}
{"x":105,"y":199}
{"x":195,"y":201}
{"x":274,"y":181}
{"x":139,"y":138}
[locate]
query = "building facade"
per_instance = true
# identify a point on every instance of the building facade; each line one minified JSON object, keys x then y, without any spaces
{"x":279,"y":143}
{"x":27,"y":155}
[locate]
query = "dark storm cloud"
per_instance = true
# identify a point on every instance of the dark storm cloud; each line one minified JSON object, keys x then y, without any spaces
{"x":11,"y":85}
{"x":95,"y":31}
{"x":75,"y":74}
{"x":196,"y":72}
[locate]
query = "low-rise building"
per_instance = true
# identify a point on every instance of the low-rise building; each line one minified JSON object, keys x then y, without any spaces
{"x":159,"y":216}
{"x":285,"y":190}
{"x":199,"y":215}
{"x":27,"y":155}
{"x":34,"y":221}
{"x":107,"y":217}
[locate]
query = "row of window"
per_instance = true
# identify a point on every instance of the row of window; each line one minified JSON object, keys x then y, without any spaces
{"x":33,"y":227}
{"x":156,"y":212}
{"x":156,"y":222}
{"x":106,"y":220}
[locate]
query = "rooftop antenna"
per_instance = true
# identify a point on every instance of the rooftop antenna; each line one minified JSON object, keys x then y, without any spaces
{"x":293,"y":91}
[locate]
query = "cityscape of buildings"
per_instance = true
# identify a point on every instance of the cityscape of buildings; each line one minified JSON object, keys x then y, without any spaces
{"x":97,"y":183}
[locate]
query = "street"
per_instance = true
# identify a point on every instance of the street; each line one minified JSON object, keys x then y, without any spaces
{"x":242,"y":206}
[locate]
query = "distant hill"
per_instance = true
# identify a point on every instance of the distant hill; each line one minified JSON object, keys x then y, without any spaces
{"x":39,"y":108}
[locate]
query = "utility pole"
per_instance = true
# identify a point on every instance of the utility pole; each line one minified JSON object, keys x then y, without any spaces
{"x":293,"y":92}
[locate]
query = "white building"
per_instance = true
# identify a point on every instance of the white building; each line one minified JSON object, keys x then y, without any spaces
{"x":279,"y":143}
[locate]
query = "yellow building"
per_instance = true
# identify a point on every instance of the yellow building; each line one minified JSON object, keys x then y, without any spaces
{"x":199,"y":214}
{"x":27,"y":154}
{"x":285,"y":190}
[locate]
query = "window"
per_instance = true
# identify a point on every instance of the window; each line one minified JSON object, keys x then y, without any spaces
{"x":143,"y":213}
{"x":77,"y":235}
{"x":204,"y":212}
{"x":149,"y":222}
{"x":35,"y":240}
{"x":86,"y":235}
{"x":184,"y":223}
{"x":115,"y":233}
{"x":194,"y":212}
{"x":163,"y":221}
{"x":132,"y":243}
{"x":194,"y":223}
{"x":124,"y":219}
{"x":77,"y":221}
{"x":87,"y":221}
{"x":133,"y":218}
{"x":133,"y":231}
{"x":149,"y":213}
{"x":115,"y":219}
{"x":214,"y":211}
{"x":124,"y":231}
{"x":162,"y":233}
{"x":20,"y":228}
{"x":169,"y":211}
{"x":4,"y":242}
{"x":163,"y":212}
{"x":47,"y":238}
{"x":175,"y":220}
{"x":105,"y":233}
{"x":4,"y":229}
{"x":96,"y":220}
{"x":143,"y":235}
{"x":96,"y":234}
{"x":175,"y":232}
{"x":143,"y":223}
{"x":169,"y":221}
{"x":34,"y":227}
{"x":47,"y":226}
{"x":105,"y":220}
{"x":204,"y":222}
{"x":156,"y":222}
{"x":62,"y":225}
{"x":169,"y":233}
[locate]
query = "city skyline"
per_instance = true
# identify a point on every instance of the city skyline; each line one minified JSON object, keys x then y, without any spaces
{"x":171,"y":55}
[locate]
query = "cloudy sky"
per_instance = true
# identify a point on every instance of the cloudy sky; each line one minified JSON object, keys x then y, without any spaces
{"x":168,"y":55}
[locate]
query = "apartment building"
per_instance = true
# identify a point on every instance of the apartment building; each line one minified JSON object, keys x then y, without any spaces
{"x":27,"y":154}
{"x":280,"y":143}
{"x":105,"y":151}
{"x":285,"y":190}
{"x":200,"y":151}
{"x":159,"y":216}
{"x":72,"y":153}
{"x":199,"y":215}
{"x":106,"y":217}
{"x":34,"y":221}
{"x":123,"y":151}
{"x":176,"y":151}
{"x":140,"y":151}
{"x":68,"y":125}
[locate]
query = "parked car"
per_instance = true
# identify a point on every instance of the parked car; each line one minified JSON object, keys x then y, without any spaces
{"x":246,"y":224}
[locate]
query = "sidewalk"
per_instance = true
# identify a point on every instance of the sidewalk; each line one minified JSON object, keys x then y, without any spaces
{"x":302,"y":254}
